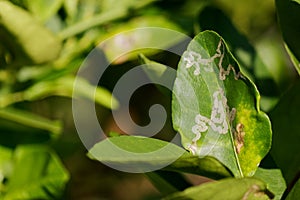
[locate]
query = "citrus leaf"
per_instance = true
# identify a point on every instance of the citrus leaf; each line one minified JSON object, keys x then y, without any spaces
{"x":133,"y":151}
{"x":274,"y":180}
{"x":230,"y":189}
{"x":264,"y":64}
{"x":216,"y":109}
{"x":206,"y":166}
{"x":27,"y":40}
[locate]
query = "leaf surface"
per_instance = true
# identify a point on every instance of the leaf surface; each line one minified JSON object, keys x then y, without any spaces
{"x":227,"y":189}
{"x":216,"y":109}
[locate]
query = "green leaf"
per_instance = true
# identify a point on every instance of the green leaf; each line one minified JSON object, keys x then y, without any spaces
{"x":27,"y":40}
{"x":156,"y":71}
{"x":48,"y":180}
{"x":286,"y":137}
{"x":206,"y":166}
{"x":134,"y":152}
{"x":295,"y":192}
{"x":216,"y":109}
{"x":142,"y":151}
{"x":274,"y":180}
{"x":288,"y":13}
{"x":265,"y":65}
{"x":230,"y":189}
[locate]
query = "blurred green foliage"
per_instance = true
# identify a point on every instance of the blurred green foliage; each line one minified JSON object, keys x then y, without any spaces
{"x":44,"y":42}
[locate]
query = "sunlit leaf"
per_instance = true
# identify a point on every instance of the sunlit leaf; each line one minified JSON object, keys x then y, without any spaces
{"x":27,"y":40}
{"x":48,"y":180}
{"x":216,"y":109}
{"x":233,"y":189}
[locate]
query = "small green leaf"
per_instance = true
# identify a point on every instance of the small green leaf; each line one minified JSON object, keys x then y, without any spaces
{"x":48,"y":180}
{"x":274,"y":180}
{"x":229,"y":189}
{"x":216,"y":109}
{"x":286,"y":137}
{"x":27,"y":40}
{"x":156,"y":71}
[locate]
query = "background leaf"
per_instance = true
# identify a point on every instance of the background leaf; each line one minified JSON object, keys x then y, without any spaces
{"x":24,"y":43}
{"x":288,"y":13}
{"x":286,"y":137}
{"x":227,"y":189}
{"x":200,"y":89}
{"x":47,"y":181}
{"x":295,"y":192}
